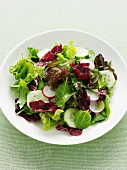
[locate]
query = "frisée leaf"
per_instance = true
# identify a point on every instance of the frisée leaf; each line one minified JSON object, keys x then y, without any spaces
{"x":26,"y":70}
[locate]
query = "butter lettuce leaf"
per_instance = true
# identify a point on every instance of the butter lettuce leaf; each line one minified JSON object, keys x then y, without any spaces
{"x":99,"y":117}
{"x":57,"y":114}
{"x":50,"y":119}
{"x":46,"y":120}
{"x":82,"y":119}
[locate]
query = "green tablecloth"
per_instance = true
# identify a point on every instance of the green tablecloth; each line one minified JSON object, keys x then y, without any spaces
{"x":20,"y":19}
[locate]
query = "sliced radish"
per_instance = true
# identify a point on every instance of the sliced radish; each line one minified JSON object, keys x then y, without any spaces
{"x":47,"y":92}
{"x":41,"y":53}
{"x":92,"y":94}
{"x":82,"y":52}
{"x":97,"y":106}
{"x":57,"y":69}
{"x":91,"y":64}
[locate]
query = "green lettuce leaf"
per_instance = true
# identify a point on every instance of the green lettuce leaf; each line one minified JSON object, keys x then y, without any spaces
{"x":99,"y":117}
{"x":41,"y":85}
{"x":82,"y":119}
{"x":72,"y":102}
{"x":104,"y":114}
{"x":49,"y":119}
{"x":68,"y":54}
{"x":45,"y":118}
{"x":25,"y":69}
{"x":70,"y":50}
{"x":27,"y":110}
{"x":20,"y":70}
{"x":101,"y":82}
{"x":21,"y":91}
{"x":63,"y":93}
{"x":107,"y":107}
{"x":110,"y":93}
{"x":46,"y":121}
{"x":61,"y":58}
{"x":33,"y":54}
{"x":57,"y":115}
{"x":74,"y":81}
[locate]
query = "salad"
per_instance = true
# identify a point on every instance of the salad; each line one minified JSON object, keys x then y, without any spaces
{"x":68,"y":87}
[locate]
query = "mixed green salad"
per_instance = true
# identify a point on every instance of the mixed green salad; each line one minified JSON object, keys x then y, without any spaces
{"x":68,"y":87}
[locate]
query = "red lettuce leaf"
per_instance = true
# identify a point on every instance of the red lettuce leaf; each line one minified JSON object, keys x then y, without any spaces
{"x":41,"y":106}
{"x":49,"y":56}
{"x":82,"y":71}
{"x":101,"y":64}
{"x":55,"y":77}
{"x":30,"y":118}
{"x":84,"y":99}
{"x":57,"y":49}
{"x":33,"y":85}
{"x":72,"y":131}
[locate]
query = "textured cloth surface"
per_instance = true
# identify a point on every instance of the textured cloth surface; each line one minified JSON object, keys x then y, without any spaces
{"x":22,"y":19}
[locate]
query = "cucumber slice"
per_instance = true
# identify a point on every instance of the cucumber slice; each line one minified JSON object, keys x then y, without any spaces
{"x":82,"y":52}
{"x":69,"y":115}
{"x":108,"y":77}
{"x":35,"y":96}
{"x":41,"y":53}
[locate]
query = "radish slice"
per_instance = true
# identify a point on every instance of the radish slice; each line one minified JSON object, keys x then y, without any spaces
{"x":57,"y":69}
{"x":93,"y":95}
{"x":47,"y":92}
{"x":97,"y":106}
{"x":91,"y":64}
{"x":41,"y":53}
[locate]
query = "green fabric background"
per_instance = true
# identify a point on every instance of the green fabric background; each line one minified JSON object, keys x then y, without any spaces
{"x":20,"y":19}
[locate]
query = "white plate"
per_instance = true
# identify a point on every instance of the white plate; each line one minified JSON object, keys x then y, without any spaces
{"x":46,"y":40}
